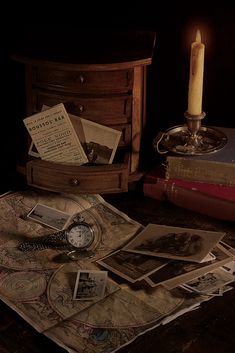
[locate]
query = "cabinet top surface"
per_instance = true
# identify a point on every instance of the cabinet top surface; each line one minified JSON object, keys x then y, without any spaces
{"x":79,"y":47}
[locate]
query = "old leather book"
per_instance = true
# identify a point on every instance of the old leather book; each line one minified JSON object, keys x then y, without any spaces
{"x":216,"y":168}
{"x":155,"y":180}
{"x":214,"y":200}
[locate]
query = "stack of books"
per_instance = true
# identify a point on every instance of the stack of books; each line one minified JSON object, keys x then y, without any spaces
{"x":205,"y":184}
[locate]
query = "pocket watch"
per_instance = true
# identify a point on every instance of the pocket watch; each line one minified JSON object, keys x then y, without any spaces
{"x":78,"y":237}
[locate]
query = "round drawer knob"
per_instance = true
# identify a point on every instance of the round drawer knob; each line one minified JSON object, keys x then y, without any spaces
{"x":81,"y":79}
{"x":81,"y":108}
{"x":74,"y":182}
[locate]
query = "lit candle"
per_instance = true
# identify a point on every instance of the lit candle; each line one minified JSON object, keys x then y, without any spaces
{"x":196,"y":76}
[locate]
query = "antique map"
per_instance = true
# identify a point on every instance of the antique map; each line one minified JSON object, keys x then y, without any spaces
{"x":38,"y":285}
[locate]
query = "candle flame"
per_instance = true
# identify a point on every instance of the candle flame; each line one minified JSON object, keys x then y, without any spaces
{"x":198,"y":36}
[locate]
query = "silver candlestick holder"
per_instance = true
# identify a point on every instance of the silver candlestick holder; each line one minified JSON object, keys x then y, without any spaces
{"x":191,"y":138}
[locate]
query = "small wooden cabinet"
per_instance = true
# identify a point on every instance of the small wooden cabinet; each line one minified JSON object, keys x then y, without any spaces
{"x":107,"y":86}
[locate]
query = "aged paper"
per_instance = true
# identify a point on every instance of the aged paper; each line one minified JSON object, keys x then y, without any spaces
{"x":177,"y":272}
{"x":90,"y":285}
{"x":49,"y":216}
{"x":178,"y":243}
{"x":132,"y":267}
{"x":98,"y":141}
{"x":210,"y":281}
{"x":54,"y":136}
{"x":39,"y":285}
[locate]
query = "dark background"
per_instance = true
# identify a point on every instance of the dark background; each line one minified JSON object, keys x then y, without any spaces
{"x":175,"y":25}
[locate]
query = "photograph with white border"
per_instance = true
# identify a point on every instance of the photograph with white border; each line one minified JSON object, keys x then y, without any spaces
{"x":90,"y":285}
{"x":49,"y":216}
{"x":210,"y":281}
{"x":98,"y":141}
{"x":130,"y":266}
{"x":175,"y":242}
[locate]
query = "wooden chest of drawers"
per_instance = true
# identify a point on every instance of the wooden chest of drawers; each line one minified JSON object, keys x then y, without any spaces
{"x":109,"y":91}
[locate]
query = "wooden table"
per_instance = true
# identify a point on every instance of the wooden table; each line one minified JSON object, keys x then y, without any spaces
{"x":210,"y":329}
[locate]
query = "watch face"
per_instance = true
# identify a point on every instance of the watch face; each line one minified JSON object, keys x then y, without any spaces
{"x":80,"y":236}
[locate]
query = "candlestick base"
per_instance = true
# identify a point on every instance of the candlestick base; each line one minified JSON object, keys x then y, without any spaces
{"x":182,"y":140}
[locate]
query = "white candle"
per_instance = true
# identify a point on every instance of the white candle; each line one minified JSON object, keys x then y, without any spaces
{"x":196,"y":76}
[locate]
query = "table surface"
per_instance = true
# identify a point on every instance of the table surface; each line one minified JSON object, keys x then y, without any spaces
{"x":209,"y":329}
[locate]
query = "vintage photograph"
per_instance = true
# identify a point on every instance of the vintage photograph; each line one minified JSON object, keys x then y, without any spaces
{"x":177,"y":272}
{"x":218,"y":292}
{"x":174,"y":242}
{"x":130,"y":266}
{"x":98,"y":141}
{"x":90,"y":285}
{"x":211,"y":281}
{"x":230,"y":267}
{"x":228,"y":247}
{"x":49,"y":216}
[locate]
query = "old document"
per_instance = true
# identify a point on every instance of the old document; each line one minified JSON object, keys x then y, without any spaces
{"x":98,"y":141}
{"x":54,"y":136}
{"x":39,"y":285}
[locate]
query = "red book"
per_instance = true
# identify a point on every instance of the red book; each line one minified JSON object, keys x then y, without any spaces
{"x":215,"y":190}
{"x":210,"y":199}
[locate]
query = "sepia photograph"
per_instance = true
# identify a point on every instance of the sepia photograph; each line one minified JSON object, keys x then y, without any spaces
{"x":177,"y":272}
{"x":230,"y":267}
{"x":49,"y":216}
{"x":90,"y":285}
{"x":174,"y":242}
{"x":99,"y":142}
{"x":130,"y":266}
{"x":211,"y":281}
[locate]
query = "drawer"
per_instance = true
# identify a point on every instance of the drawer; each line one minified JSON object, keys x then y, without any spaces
{"x":103,"y":110}
{"x":51,"y":176}
{"x":83,"y":81}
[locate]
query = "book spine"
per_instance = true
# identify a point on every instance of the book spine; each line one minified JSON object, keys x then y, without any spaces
{"x":192,"y":200}
{"x":200,"y":170}
{"x":215,"y":190}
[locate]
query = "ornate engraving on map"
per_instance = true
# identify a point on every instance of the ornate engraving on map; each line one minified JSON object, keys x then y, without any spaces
{"x":61,"y":286}
{"x":43,"y":281}
{"x":23,"y":286}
